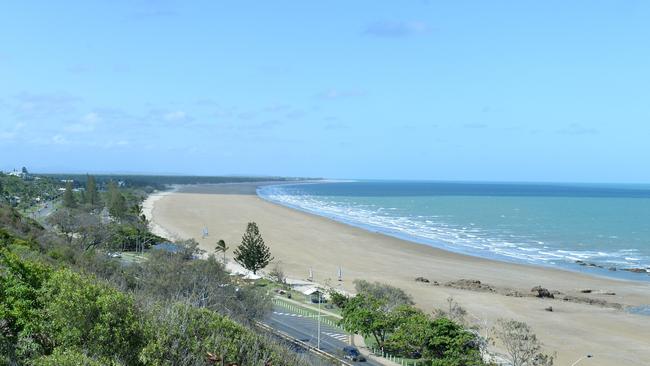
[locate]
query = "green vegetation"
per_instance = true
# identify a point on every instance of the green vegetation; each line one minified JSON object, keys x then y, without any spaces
{"x":64,"y":303}
{"x":252,"y":253}
{"x":24,"y":193}
{"x":221,"y":248}
{"x":91,"y":195}
{"x":69,"y":201}
{"x":386,"y":314}
{"x":151,"y":182}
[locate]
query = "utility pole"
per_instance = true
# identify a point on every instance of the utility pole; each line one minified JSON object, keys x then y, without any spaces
{"x":319,"y":301}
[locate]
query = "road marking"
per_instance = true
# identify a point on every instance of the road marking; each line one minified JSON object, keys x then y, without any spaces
{"x":339,"y":336}
{"x":288,"y":314}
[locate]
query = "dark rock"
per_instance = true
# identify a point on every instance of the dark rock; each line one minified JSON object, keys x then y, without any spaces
{"x":542,"y":292}
{"x":550,"y":308}
{"x":422,"y":279}
{"x":474,"y":285}
{"x":636,"y":270}
{"x":589,"y":301}
{"x":586,"y":291}
{"x":582,"y":263}
{"x":514,"y":293}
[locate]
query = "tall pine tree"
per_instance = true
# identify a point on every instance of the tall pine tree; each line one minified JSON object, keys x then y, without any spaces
{"x":68,"y":196}
{"x":116,"y":201}
{"x":252,"y":253}
{"x":91,"y":197}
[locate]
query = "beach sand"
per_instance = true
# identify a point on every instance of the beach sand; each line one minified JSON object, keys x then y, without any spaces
{"x":299,"y":240}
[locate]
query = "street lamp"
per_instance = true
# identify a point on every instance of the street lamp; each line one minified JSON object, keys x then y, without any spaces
{"x":582,"y":358}
{"x":319,"y":301}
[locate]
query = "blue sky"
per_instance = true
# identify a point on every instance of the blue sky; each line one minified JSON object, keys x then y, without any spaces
{"x":457,"y":90}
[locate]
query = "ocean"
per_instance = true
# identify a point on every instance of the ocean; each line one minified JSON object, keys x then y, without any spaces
{"x":599,"y":229}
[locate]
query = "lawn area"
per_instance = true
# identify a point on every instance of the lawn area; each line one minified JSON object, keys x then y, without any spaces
{"x":133,"y":257}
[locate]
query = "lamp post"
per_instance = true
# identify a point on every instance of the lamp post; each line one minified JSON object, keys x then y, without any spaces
{"x":319,"y":301}
{"x":582,"y":358}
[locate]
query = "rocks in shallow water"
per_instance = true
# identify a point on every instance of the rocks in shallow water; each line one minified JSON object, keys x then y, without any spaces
{"x":542,"y":292}
{"x":422,"y":279}
{"x":612,"y":268}
{"x":586,"y":291}
{"x":550,"y":308}
{"x":582,"y":263}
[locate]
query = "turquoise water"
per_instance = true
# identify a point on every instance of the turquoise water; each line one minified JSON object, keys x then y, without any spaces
{"x":607,"y":226}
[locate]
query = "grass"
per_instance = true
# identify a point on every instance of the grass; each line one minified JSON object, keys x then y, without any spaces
{"x":133,"y":257}
{"x":306,"y":311}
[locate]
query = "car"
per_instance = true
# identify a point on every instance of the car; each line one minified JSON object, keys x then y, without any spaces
{"x":352,"y":354}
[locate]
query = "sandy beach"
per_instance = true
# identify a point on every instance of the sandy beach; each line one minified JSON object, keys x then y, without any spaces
{"x":299,"y":240}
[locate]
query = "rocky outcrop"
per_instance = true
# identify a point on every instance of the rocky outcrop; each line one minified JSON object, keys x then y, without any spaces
{"x":542,"y":292}
{"x":473,"y":285}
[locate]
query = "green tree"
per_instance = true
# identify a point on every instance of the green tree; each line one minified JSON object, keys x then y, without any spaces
{"x":365,"y":315}
{"x":117,"y":207}
{"x":252,"y":253}
{"x":91,"y":196}
{"x":222,"y":248}
{"x":83,"y":314}
{"x":68,"y":196}
{"x":68,"y":357}
{"x":391,"y":296}
{"x":185,"y":335}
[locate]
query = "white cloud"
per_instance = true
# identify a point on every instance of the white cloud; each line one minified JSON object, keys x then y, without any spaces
{"x":11,"y":133}
{"x":340,"y":94}
{"x":175,"y":116}
{"x":396,"y":29}
{"x":87,"y":123}
{"x":60,"y":140}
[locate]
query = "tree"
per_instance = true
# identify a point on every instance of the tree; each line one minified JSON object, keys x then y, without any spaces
{"x":64,"y":220}
{"x":68,"y":196}
{"x":84,"y":314}
{"x":91,"y":197}
{"x":221,"y":248}
{"x":365,"y":314}
{"x":116,"y":201}
{"x":391,"y":296}
{"x":252,"y":253}
{"x":521,"y":344}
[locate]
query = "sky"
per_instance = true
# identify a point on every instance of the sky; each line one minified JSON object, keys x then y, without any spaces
{"x":454,"y":90}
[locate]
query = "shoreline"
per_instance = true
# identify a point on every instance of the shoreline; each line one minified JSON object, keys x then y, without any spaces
{"x":300,"y":240}
{"x":578,"y":266}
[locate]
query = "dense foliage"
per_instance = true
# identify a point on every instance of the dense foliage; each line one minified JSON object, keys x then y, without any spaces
{"x":151,"y":182}
{"x":387,"y":316}
{"x":63,"y":306}
{"x":26,"y":192}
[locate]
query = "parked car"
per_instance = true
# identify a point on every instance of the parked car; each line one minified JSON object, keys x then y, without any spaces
{"x":352,"y":354}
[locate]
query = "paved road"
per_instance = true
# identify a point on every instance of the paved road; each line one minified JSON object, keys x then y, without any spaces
{"x":305,"y":328}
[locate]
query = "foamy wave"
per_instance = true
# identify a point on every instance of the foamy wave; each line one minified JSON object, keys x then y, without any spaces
{"x":463,"y":239}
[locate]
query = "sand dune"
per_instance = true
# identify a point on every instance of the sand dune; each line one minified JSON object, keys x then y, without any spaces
{"x":299,"y":241}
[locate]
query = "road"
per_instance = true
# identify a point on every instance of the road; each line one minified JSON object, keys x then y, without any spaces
{"x":305,"y":328}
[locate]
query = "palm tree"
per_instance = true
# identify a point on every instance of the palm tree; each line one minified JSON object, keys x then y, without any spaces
{"x":221,"y":248}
